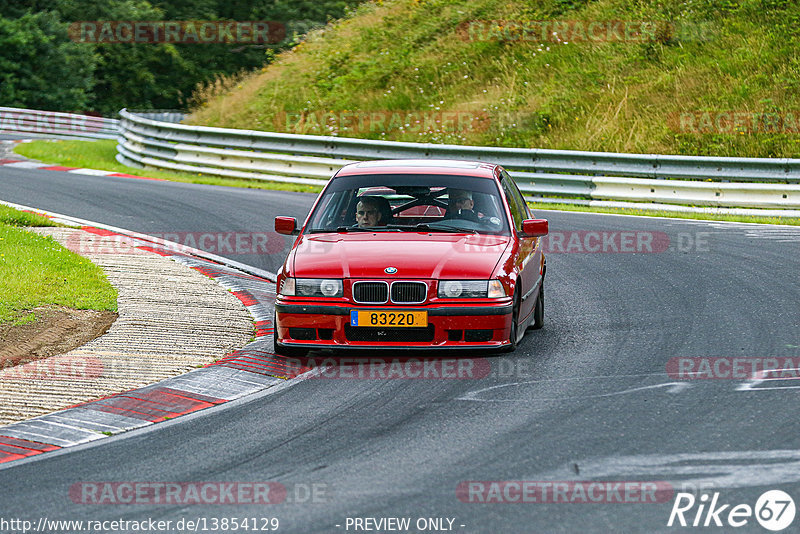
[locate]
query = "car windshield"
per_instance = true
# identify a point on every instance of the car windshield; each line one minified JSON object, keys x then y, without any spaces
{"x":410,"y":203}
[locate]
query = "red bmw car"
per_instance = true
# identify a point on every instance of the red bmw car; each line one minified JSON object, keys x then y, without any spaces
{"x":412,"y":254}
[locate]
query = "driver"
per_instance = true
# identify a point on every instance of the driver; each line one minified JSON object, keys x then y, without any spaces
{"x":368,"y":212}
{"x":460,"y":205}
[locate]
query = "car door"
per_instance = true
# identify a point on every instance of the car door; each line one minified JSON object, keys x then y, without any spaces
{"x":528,"y":260}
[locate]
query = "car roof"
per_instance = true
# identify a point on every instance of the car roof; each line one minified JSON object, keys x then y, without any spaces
{"x":478,"y":169}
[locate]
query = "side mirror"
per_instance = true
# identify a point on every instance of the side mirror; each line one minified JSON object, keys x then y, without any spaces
{"x":535,"y":227}
{"x":286,"y":225}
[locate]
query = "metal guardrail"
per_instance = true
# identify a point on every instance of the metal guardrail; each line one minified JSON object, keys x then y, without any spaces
{"x":161,"y":115}
{"x":32,"y":123}
{"x":309,"y":159}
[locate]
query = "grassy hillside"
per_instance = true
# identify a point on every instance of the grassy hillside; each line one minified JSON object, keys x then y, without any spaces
{"x":507,"y":89}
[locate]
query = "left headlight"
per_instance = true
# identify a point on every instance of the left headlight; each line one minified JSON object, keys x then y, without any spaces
{"x":471,"y":289}
{"x":312,"y":287}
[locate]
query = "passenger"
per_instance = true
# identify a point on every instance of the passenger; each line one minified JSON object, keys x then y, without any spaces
{"x":369,"y":213}
{"x":460,"y":205}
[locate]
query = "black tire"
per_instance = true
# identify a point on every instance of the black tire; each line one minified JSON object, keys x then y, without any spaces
{"x":538,"y":311}
{"x":512,"y":338}
{"x":288,"y":352}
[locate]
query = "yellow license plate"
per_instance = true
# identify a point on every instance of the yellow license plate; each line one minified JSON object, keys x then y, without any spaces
{"x":384,"y":318}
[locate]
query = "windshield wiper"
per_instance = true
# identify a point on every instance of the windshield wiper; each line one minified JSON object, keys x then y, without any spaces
{"x":365,"y":229}
{"x":425,"y":227}
{"x":339,"y":229}
{"x":353,"y":229}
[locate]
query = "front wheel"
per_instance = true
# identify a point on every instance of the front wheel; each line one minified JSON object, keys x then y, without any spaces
{"x":512,"y":338}
{"x":538,"y":311}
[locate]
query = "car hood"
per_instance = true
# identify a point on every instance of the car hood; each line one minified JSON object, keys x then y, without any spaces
{"x":415,"y":255}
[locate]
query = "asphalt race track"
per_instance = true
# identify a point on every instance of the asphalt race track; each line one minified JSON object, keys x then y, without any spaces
{"x":588,"y":398}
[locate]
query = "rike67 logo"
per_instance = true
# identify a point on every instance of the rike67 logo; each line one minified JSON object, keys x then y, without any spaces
{"x":774,"y":510}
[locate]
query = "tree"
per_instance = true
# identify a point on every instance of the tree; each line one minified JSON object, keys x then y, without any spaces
{"x":40,"y":67}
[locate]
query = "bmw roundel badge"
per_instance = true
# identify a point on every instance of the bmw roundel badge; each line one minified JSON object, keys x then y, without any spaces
{"x":390,"y":270}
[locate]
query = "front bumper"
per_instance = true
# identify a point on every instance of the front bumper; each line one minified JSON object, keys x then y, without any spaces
{"x":314,"y":325}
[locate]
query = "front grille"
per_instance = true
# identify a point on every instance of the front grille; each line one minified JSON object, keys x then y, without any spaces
{"x":370,"y":292}
{"x":409,"y":292}
{"x":397,"y":335}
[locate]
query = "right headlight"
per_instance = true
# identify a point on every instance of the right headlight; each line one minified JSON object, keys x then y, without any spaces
{"x":470,"y":289}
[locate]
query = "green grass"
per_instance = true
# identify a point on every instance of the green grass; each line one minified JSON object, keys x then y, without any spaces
{"x":417,"y":55}
{"x":12,"y":217}
{"x":37,"y":271}
{"x":662,"y":213}
{"x":101,"y":155}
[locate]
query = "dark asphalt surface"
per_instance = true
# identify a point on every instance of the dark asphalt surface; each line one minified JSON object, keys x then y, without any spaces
{"x":587,"y":398}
